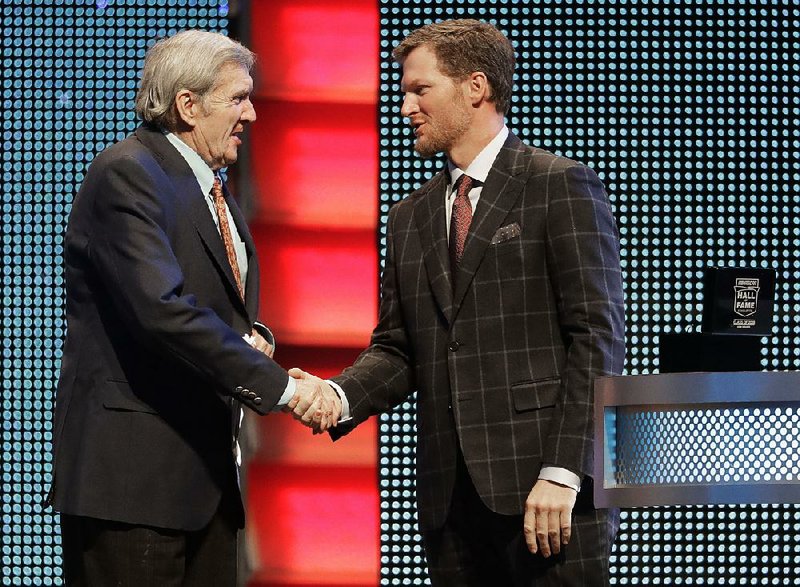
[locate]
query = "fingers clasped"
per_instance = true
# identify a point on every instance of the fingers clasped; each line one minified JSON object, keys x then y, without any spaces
{"x":315,"y":403}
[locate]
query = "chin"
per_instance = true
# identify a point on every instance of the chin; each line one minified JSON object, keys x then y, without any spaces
{"x":425,"y":149}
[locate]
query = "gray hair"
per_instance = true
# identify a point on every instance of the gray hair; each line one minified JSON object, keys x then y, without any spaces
{"x":190,"y":60}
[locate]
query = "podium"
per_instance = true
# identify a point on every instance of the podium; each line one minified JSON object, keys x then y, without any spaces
{"x":697,"y":438}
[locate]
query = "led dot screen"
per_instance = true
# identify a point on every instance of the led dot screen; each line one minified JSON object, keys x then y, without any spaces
{"x":70,"y":71}
{"x":689,"y":113}
{"x":729,"y":445}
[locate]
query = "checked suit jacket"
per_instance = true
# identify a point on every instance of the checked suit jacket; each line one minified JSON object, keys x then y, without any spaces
{"x":502,"y":354}
{"x":154,"y":356}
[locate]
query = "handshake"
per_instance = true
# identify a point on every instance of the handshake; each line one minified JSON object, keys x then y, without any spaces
{"x":315,"y":403}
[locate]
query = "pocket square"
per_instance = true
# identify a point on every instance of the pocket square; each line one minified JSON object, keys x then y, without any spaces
{"x":505,"y":233}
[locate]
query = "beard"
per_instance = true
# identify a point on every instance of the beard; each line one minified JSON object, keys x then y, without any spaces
{"x":450,"y":126}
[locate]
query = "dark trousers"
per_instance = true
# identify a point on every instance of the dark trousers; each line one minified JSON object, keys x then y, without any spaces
{"x":102,"y":553}
{"x":479,"y":548}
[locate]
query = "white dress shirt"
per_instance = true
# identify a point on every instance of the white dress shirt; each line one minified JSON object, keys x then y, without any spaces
{"x":478,"y":170}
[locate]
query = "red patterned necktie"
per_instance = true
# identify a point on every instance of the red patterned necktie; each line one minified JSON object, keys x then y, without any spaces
{"x":225,"y":232}
{"x":460,"y":220}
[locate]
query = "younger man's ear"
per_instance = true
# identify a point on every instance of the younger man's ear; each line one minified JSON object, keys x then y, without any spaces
{"x":479,"y":90}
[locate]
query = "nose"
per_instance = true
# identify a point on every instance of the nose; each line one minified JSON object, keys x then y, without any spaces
{"x":409,"y":106}
{"x":249,"y":112}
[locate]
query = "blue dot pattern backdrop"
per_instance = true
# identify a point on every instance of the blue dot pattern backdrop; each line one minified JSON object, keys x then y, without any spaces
{"x":689,"y":113}
{"x":70,"y":72}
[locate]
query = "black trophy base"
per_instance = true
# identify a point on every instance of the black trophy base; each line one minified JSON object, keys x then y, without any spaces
{"x":695,"y":351}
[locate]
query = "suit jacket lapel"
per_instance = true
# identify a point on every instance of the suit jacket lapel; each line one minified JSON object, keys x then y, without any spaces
{"x":429,"y":215}
{"x":185,"y":183}
{"x":499,"y":194}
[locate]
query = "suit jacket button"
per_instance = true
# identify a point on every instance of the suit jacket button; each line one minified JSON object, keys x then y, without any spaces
{"x":252,"y":395}
{"x":454,"y":345}
{"x":238,"y":389}
{"x":257,"y":400}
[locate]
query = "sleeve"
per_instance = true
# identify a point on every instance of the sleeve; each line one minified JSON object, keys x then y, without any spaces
{"x":382,"y":376}
{"x":584,"y":265}
{"x":133,"y":257}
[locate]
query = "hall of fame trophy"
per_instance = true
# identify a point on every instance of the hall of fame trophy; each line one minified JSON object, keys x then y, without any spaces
{"x":737,"y":312}
{"x":738,"y":301}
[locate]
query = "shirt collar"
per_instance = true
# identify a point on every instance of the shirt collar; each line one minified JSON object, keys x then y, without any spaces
{"x":201,"y":170}
{"x":482,"y":164}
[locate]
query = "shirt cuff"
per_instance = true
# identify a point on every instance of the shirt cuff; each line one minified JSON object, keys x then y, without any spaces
{"x":560,"y":476}
{"x":288,"y":394}
{"x":265,"y":332}
{"x":345,"y":404}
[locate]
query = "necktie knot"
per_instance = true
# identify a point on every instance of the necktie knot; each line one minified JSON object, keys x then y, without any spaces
{"x":463,"y":185}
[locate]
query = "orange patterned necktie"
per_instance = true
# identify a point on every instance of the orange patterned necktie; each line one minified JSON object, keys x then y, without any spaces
{"x":225,"y":232}
{"x":460,"y":220}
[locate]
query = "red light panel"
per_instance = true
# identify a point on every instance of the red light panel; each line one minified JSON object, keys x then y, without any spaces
{"x":317,"y":165}
{"x":321,"y":523}
{"x":317,"y":50}
{"x":327,"y":292}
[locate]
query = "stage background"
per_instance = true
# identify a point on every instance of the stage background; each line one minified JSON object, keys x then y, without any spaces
{"x":688,"y":111}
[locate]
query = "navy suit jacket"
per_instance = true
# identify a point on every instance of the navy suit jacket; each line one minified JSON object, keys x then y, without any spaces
{"x":154,"y":357}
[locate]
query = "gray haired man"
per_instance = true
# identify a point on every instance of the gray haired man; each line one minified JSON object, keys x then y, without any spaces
{"x":163,"y":347}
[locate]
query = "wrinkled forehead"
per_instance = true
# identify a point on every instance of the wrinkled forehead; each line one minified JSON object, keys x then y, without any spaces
{"x":233,"y":77}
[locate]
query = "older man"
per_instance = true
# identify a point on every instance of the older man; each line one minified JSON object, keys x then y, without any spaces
{"x":162,"y":344}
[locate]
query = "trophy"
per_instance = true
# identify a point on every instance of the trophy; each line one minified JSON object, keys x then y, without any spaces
{"x":737,"y":313}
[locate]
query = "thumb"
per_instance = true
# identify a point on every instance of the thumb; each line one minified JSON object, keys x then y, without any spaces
{"x":297,"y":373}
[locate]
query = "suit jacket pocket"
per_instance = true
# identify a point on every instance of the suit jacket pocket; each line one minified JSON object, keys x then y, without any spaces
{"x":118,"y":395}
{"x":506,"y":247}
{"x":535,"y":395}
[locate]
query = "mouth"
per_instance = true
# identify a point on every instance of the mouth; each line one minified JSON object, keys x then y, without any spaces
{"x":417,"y":127}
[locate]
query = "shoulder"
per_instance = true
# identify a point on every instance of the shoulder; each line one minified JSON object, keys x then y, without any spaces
{"x":127,"y":153}
{"x":134,"y":158}
{"x":124,"y":172}
{"x":145,"y":144}
{"x":431,"y":188}
{"x":540,"y":161}
{"x":519,"y":157}
{"x":544,"y":172}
